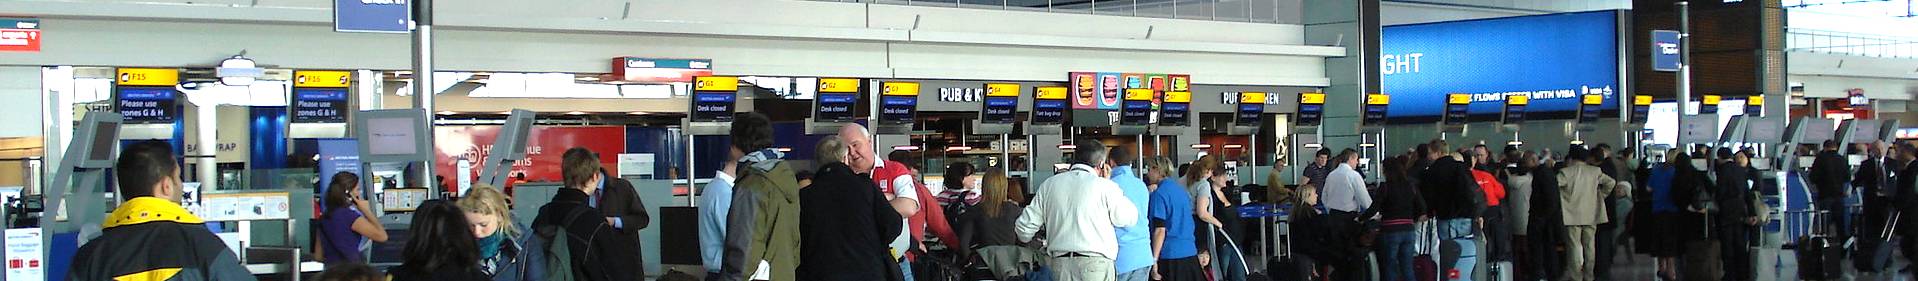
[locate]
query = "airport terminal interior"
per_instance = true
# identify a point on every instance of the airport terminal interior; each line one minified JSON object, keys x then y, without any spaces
{"x":1229,"y":140}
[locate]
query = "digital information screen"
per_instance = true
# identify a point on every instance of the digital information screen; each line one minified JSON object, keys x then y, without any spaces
{"x":1708,"y":104}
{"x":836,"y":100}
{"x":1590,"y":108}
{"x":714,"y":98}
{"x":1049,"y":105}
{"x":1458,"y":108}
{"x":1515,"y":109}
{"x":1311,"y":108}
{"x":1755,"y":106}
{"x":1375,"y":106}
{"x":146,"y":105}
{"x":1175,"y":109}
{"x":319,"y":105}
{"x":1137,"y":107}
{"x":1641,"y":109}
{"x":899,"y":103}
{"x":1001,"y":104}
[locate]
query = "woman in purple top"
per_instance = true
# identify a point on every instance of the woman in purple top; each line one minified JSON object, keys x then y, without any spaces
{"x":346,"y":223}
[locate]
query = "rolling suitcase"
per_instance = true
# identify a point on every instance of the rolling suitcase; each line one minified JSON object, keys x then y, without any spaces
{"x":1425,"y":263}
{"x":1819,"y":255}
{"x":1874,"y":253}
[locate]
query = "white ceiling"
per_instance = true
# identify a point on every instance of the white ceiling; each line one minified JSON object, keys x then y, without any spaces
{"x":1396,"y":12}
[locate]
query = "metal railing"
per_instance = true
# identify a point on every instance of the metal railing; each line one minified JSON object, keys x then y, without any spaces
{"x":1848,"y":43}
{"x":1257,"y":11}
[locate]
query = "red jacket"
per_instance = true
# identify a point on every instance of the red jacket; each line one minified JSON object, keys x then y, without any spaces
{"x":1494,"y":191}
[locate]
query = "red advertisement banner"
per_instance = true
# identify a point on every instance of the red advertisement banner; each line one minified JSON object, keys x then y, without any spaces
{"x":544,"y":148}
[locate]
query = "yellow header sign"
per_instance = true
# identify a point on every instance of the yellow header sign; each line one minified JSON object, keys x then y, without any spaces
{"x":1378,"y":99}
{"x":716,"y":83}
{"x":1138,"y":94}
{"x":1251,"y":97}
{"x":838,"y":85}
{"x":900,"y":89}
{"x":1178,"y":97}
{"x":1458,"y":99}
{"x":1641,"y":100}
{"x":1311,"y":98}
{"x":1593,"y":99}
{"x":1517,"y":100}
{"x":1712,"y":99}
{"x":322,"y":78}
{"x":1050,"y":93}
{"x":1002,"y":90}
{"x":147,"y":77}
{"x":1755,"y":101}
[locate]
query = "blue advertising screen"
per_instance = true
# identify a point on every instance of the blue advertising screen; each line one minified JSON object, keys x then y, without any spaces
{"x":1551,"y":58}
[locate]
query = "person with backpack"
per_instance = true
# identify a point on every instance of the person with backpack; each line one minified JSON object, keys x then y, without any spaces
{"x":440,"y":249}
{"x":843,"y":222}
{"x":579,"y":243}
{"x":762,"y":225}
{"x":503,"y":254}
{"x":1456,"y":201}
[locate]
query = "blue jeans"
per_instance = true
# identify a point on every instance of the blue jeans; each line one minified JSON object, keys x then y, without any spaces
{"x":1141,"y":274}
{"x":1460,"y":231}
{"x":906,"y":267}
{"x":1397,"y":251}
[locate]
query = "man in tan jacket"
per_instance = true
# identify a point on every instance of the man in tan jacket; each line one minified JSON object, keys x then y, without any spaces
{"x":1581,"y":186}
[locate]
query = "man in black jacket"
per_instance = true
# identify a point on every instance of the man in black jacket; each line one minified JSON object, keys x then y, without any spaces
{"x":150,"y":237}
{"x":1737,"y":214}
{"x":844,"y":223}
{"x":1829,"y":173}
{"x":1455,"y":198}
{"x":625,"y":212}
{"x":597,"y":251}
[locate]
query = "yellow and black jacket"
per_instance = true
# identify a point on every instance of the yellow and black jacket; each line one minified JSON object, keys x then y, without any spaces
{"x":152,"y":239}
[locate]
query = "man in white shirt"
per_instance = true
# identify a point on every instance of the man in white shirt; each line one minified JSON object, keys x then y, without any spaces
{"x":1080,"y":211}
{"x":1344,"y":188}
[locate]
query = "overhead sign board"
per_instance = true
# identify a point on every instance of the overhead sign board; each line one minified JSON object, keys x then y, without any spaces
{"x":1311,"y":109}
{"x":899,"y":102}
{"x":1515,"y":109}
{"x":836,"y":100}
{"x":1755,"y":106}
{"x":1708,"y":104}
{"x":1175,"y":109}
{"x":1104,"y":90}
{"x":1641,"y":109}
{"x":1555,"y":59}
{"x":1001,"y":103}
{"x":1376,"y":107}
{"x":1457,"y":109}
{"x":714,"y":98}
{"x":1049,"y":104}
{"x":660,"y":71}
{"x":1665,"y":50}
{"x":19,"y":35}
{"x":1590,"y":108}
{"x":320,"y":96}
{"x":147,"y":95}
{"x":378,"y":16}
{"x":1137,"y":108}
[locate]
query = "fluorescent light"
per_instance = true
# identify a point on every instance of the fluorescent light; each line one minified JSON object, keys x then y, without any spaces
{"x":1314,"y":145}
{"x":575,"y":113}
{"x":1234,"y":146}
{"x":1068,"y":146}
{"x":958,"y":148}
{"x":1578,"y":142}
{"x":1515,"y":143}
{"x":509,"y":112}
{"x":1201,"y":146}
{"x":905,"y":147}
{"x":1360,"y":145}
{"x":447,"y":112}
{"x":784,"y":149}
{"x":636,"y":113}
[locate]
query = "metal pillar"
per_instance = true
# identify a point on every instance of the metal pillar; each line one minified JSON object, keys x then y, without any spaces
{"x":423,"y":89}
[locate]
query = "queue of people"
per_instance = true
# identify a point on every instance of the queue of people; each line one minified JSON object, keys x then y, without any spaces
{"x":1524,"y":215}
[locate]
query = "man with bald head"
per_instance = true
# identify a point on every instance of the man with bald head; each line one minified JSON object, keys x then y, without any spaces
{"x":902,"y":191}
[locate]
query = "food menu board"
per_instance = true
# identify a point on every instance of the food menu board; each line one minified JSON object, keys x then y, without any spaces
{"x":1311,"y":108}
{"x":899,"y":102}
{"x":1590,"y":108}
{"x":1103,"y":90}
{"x":1138,"y":107}
{"x":1458,"y":108}
{"x":1375,"y":106}
{"x":1002,"y":101}
{"x":1049,"y":105}
{"x":1515,"y":109}
{"x":836,"y":100}
{"x":1176,"y":109}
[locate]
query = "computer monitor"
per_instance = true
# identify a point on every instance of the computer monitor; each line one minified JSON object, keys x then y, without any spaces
{"x":392,"y":135}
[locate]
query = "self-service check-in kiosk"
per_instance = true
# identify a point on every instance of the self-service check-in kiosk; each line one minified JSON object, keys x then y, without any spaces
{"x":76,"y":201}
{"x":390,"y":141}
{"x":1794,"y":191}
{"x":509,"y":147}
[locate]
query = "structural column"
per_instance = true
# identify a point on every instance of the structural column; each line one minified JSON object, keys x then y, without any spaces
{"x":1354,"y":25}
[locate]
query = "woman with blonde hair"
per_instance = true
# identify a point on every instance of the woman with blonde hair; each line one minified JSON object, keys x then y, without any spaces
{"x":502,"y":252}
{"x":990,"y":229}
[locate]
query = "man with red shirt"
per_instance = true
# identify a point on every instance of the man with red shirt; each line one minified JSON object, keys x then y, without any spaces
{"x":897,"y":182}
{"x":1497,"y":235}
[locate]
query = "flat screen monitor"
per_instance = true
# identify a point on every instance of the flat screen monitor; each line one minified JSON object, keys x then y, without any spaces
{"x":391,"y":136}
{"x":105,"y":137}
